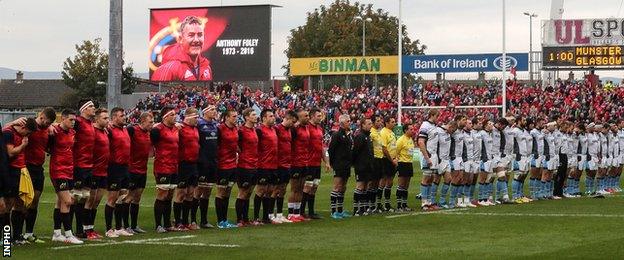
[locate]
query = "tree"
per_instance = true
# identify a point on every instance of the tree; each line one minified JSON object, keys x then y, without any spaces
{"x":88,"y":67}
{"x":334,"y":31}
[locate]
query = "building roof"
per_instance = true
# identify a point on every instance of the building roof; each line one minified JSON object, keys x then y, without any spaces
{"x":31,"y":93}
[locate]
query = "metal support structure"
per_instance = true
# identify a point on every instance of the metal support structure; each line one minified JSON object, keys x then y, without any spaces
{"x":504,"y":67}
{"x":115,"y":60}
{"x":400,"y":72}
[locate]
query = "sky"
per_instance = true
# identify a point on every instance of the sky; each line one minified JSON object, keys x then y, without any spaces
{"x":40,"y":35}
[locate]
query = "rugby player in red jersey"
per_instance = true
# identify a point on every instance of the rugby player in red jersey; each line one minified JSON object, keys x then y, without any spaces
{"x":62,"y":175}
{"x":117,"y":179}
{"x":300,"y":158}
{"x":165,"y":138}
{"x":83,"y":161}
{"x":101,"y":156}
{"x":35,"y":158}
{"x":284,"y":158}
{"x":187,"y":173}
{"x":267,"y":165}
{"x":140,"y":147}
{"x":16,"y":139}
{"x":247,"y":165}
{"x":317,"y":154}
{"x":226,"y":153}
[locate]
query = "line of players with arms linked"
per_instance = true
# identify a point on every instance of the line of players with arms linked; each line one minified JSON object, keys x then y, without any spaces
{"x":94,"y":153}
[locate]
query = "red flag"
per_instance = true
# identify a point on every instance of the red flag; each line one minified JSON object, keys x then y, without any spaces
{"x":513,"y":71}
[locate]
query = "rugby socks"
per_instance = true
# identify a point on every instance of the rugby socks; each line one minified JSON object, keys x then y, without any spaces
{"x":467,"y":194}
{"x":86,"y":220}
{"x":125,"y":214}
{"x":304,"y":201}
{"x":267,"y":206}
{"x":56,"y":216}
{"x":118,"y":216}
{"x":67,"y":223}
{"x":219,"y":205}
{"x":401,"y":195}
{"x":532,"y":187}
{"x":134,"y":215}
{"x":159,"y":207}
{"x":257,"y":206}
{"x":433,"y":192}
{"x":31,"y":217}
{"x":387,"y":193}
{"x":239,"y":209}
{"x":203,"y":209}
{"x":444,"y":192}
{"x":589,"y":184}
{"x":481,"y":195}
{"x":424,"y":194}
{"x":17,"y":219}
{"x":279,"y":205}
{"x":333,"y":198}
{"x":453,"y":196}
{"x":186,"y":210}
{"x":515,"y":189}
{"x":357,"y":195}
{"x":471,"y":190}
{"x":177,"y":212}
{"x":78,"y":210}
{"x":372,"y":196}
{"x":193,"y":211}
{"x":501,"y":189}
{"x":167,"y":213}
{"x":108,"y":216}
{"x":339,"y":202}
{"x":311,"y":199}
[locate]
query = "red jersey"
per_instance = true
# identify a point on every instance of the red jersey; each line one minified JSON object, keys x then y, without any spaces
{"x":83,"y":146}
{"x":61,"y":156}
{"x":13,"y":137}
{"x":267,"y":147}
{"x":101,"y":153}
{"x":248,"y":147}
{"x":165,"y":140}
{"x":284,"y":146}
{"x":300,"y":146}
{"x":140,"y":146}
{"x":316,"y":145}
{"x":119,"y":145}
{"x":189,"y":144}
{"x":178,"y":66}
{"x":227,"y":147}
{"x":36,"y":148}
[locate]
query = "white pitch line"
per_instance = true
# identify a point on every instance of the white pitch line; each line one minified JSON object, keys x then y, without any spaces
{"x":426,"y":213}
{"x":113,"y":242}
{"x":509,"y":214}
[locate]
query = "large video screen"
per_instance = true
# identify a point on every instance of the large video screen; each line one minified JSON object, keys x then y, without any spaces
{"x":231,"y":43}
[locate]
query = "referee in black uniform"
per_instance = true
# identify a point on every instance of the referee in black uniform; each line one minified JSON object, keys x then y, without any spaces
{"x":363,"y":164}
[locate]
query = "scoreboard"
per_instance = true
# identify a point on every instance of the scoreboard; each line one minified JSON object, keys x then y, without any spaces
{"x":583,"y":56}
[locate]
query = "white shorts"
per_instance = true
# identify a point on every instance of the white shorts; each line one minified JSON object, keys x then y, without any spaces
{"x":537,"y":163}
{"x":487,"y":166}
{"x":425,"y":166}
{"x":471,"y":167}
{"x":444,"y":166}
{"x":456,"y":165}
{"x":553,"y":164}
{"x":592,"y":164}
{"x":605,"y":162}
{"x":522,"y":165}
{"x":572,"y":161}
{"x":582,"y":163}
{"x":503,"y":162}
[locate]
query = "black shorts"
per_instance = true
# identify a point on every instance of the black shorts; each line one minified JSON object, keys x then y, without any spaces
{"x":187,"y":175}
{"x":405,"y":169}
{"x":388,"y":168}
{"x":343,"y":173}
{"x":11,"y":183}
{"x":267,"y":177}
{"x":82,"y":178}
{"x":282,"y":176}
{"x":224,"y":177}
{"x":117,"y":177}
{"x":99,"y":182}
{"x":298,"y":172}
{"x":169,"y":180}
{"x":362,"y":175}
{"x":246,"y":178}
{"x":314,"y":172}
{"x":62,"y":184}
{"x":207,"y":173}
{"x":136,"y":181}
{"x":378,"y":169}
{"x":36,"y":175}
